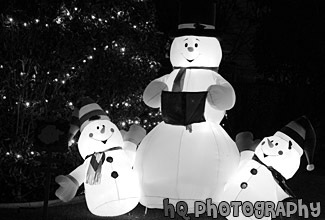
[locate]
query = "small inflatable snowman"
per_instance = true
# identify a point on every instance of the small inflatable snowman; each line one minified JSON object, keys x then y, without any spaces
{"x":262,"y":172}
{"x":189,"y":156}
{"x":111,"y":185}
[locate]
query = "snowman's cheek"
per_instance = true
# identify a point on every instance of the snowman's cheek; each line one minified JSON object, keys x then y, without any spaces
{"x":276,"y":152}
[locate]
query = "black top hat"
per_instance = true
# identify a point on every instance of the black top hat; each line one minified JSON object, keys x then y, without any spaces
{"x":196,"y":18}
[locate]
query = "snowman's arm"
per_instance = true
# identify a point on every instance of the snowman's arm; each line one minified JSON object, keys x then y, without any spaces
{"x":152,"y":93}
{"x":69,"y":184}
{"x":78,"y":174}
{"x":132,"y":138}
{"x":246,"y":155}
{"x":221,"y":95}
{"x":246,"y":145}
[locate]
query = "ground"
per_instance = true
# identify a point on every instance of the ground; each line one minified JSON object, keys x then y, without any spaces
{"x":309,"y":186}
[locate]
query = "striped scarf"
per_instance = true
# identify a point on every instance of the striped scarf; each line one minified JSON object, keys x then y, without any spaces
{"x":94,"y":172}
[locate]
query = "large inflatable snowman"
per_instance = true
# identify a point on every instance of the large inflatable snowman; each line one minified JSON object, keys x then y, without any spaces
{"x":111,"y":185}
{"x":188,"y":157}
{"x":266,"y":165}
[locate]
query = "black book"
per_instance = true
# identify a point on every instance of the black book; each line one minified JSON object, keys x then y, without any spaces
{"x":183,"y":108}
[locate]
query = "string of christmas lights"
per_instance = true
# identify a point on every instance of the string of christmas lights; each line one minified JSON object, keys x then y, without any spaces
{"x":64,"y":15}
{"x":110,"y":56}
{"x":49,"y":61}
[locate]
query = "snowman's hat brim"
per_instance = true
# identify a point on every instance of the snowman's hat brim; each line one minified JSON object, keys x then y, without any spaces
{"x":194,"y":29}
{"x":196,"y":18}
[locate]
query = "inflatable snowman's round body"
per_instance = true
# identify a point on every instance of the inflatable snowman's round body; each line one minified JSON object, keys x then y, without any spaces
{"x":111,"y":184}
{"x":117,"y":192}
{"x":266,"y":165}
{"x":188,"y":157}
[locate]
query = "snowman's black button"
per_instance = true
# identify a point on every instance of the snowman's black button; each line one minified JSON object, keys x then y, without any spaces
{"x":243,"y":185}
{"x":109,"y":159}
{"x":254,"y":171}
{"x":114,"y":174}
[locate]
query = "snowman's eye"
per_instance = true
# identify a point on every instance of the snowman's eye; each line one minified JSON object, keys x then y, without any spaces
{"x":280,"y":152}
{"x":97,"y":127}
{"x":276,"y":144}
{"x":196,"y":45}
{"x":186,"y":44}
{"x":290,"y":144}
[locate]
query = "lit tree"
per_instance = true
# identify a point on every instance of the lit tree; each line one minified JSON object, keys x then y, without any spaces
{"x":53,"y":54}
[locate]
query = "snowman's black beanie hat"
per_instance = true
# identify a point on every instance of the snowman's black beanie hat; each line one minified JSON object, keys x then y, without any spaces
{"x":303,"y":133}
{"x":196,"y":18}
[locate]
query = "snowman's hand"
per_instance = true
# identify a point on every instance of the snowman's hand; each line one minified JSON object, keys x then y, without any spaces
{"x":245,"y":142}
{"x":68,"y":187}
{"x":135,"y":134}
{"x":221,"y":97}
{"x":152,"y":94}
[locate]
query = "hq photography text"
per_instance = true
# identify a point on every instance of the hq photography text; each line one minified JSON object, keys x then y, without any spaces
{"x":259,"y":209}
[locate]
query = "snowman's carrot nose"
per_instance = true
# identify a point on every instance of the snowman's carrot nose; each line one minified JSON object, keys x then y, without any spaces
{"x":190,"y":49}
{"x":102,"y":130}
{"x":269,"y":143}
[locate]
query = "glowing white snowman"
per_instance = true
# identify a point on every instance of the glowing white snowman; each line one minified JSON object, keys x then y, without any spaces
{"x":188,"y":162}
{"x":262,"y":172}
{"x":111,"y":185}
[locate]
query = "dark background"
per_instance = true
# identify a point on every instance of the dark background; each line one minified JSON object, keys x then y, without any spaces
{"x":273,"y":52}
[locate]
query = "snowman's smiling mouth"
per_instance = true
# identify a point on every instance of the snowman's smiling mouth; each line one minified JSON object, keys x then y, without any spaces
{"x":190,"y":60}
{"x":104,"y":141}
{"x":267,"y":155}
